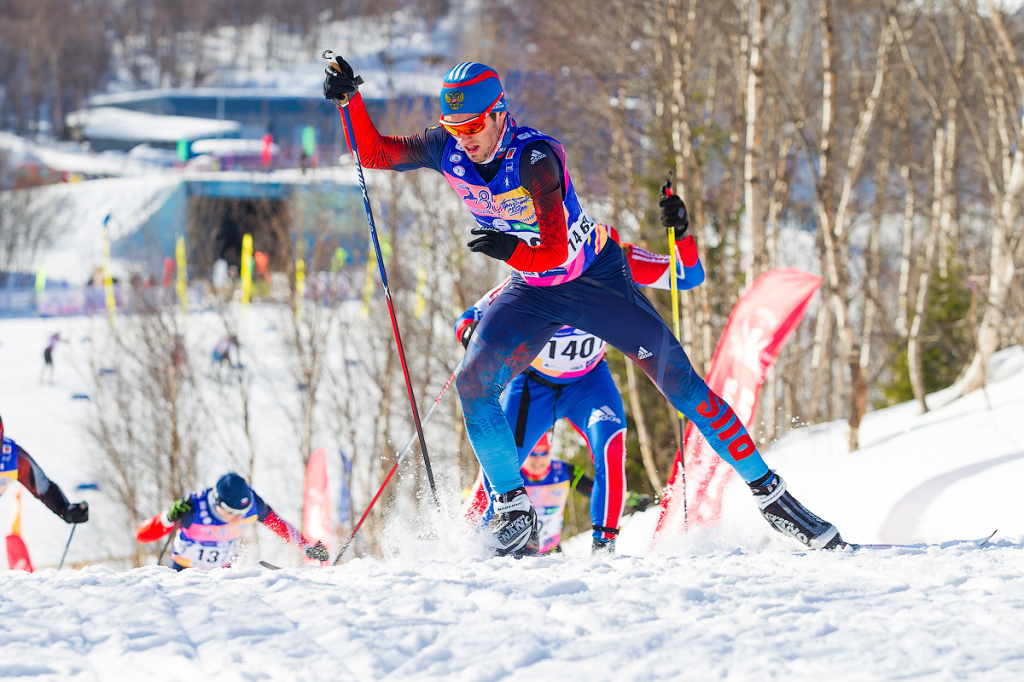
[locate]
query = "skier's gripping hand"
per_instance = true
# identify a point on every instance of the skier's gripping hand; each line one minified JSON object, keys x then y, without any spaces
{"x":674,"y":214}
{"x":76,"y":513}
{"x":317,"y":551}
{"x":638,"y":501}
{"x":341,"y":83}
{"x":466,"y":333}
{"x":493,"y":243}
{"x":179,"y":509}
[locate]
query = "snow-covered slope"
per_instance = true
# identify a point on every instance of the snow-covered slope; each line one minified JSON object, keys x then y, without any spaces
{"x":732,"y":602}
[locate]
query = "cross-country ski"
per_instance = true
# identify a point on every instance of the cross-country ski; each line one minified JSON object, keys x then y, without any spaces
{"x":979,"y":543}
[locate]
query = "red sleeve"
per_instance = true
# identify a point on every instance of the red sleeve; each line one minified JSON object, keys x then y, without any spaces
{"x":647,"y":267}
{"x":387,"y":152}
{"x":283,"y":529}
{"x":542,"y":181}
{"x":686,"y":249}
{"x":152,"y":529}
{"x":30,"y":474}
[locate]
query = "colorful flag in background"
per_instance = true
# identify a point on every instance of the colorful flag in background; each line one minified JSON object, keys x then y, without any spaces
{"x":267,"y":149}
{"x":245,"y":270}
{"x":168,"y":271}
{"x":760,"y":324}
{"x":316,"y":505}
{"x":17,"y":552}
{"x":182,"y":284}
{"x":40,"y":284}
{"x":108,"y":280}
{"x":300,"y":280}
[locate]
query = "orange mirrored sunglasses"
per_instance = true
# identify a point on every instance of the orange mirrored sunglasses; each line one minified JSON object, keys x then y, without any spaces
{"x":473,"y":126}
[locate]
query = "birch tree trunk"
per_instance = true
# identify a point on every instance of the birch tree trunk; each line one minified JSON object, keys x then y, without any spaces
{"x":753,"y":192}
{"x":1001,"y":260}
{"x":939,"y":149}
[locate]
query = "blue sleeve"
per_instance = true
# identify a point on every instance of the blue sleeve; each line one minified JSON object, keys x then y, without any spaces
{"x":262,"y":508}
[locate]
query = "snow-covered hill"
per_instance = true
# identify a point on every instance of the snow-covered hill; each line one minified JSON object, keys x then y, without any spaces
{"x":732,"y":602}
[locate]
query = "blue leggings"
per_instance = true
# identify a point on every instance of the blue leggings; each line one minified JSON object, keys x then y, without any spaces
{"x":592,"y":404}
{"x":607,"y":303}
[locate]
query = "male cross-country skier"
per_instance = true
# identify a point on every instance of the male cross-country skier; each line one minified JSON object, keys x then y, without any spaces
{"x":18,"y":465}
{"x":566,"y":271}
{"x":570,"y":379}
{"x":549,"y":481}
{"x":211,"y":522}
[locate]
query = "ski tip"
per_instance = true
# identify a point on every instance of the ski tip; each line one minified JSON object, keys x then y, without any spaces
{"x":272,"y":567}
{"x":980,"y":542}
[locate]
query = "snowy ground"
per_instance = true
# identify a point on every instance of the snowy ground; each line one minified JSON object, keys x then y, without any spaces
{"x":735,"y":602}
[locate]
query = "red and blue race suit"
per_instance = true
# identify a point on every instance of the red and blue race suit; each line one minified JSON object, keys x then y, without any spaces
{"x":571,"y":380}
{"x":602,"y":299}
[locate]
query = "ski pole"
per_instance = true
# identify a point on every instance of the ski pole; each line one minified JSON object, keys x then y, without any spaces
{"x":350,"y":132}
{"x":159,"y":559}
{"x":65,"y":554}
{"x":394,"y":467}
{"x":666,"y":191}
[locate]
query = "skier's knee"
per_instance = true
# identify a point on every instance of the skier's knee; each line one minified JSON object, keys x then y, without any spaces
{"x":468,"y":385}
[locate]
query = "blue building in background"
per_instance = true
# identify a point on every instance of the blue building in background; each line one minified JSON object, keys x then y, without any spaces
{"x":255,"y":112}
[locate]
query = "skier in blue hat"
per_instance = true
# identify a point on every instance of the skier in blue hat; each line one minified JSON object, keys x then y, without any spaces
{"x":566,"y":271}
{"x":210,"y":524}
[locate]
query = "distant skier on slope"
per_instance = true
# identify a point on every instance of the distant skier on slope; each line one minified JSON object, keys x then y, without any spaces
{"x":51,"y":344}
{"x":223,"y":350}
{"x":570,"y":379}
{"x":210,"y":523}
{"x":515,"y":182}
{"x":18,"y":465}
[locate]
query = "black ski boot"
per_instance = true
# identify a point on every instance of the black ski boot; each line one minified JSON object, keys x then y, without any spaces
{"x":786,"y":515}
{"x":604,"y":546}
{"x":515,"y":525}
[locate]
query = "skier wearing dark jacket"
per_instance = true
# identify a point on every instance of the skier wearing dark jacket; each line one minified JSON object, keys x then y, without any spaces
{"x":18,"y":465}
{"x":566,"y":271}
{"x":210,"y":524}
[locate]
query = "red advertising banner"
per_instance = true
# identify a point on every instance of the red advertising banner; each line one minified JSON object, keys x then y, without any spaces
{"x":17,"y":552}
{"x":316,"y":502}
{"x":760,"y":325}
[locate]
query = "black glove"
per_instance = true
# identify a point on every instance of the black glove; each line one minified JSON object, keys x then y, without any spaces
{"x":467,"y":333}
{"x":494,"y":243}
{"x":673,"y":214}
{"x":179,"y":509}
{"x":637,"y":501}
{"x":317,"y":551}
{"x":340,"y":84}
{"x":76,"y":513}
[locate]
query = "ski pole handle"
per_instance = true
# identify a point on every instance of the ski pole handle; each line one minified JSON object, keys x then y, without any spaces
{"x":666,"y":189}
{"x":356,"y":80}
